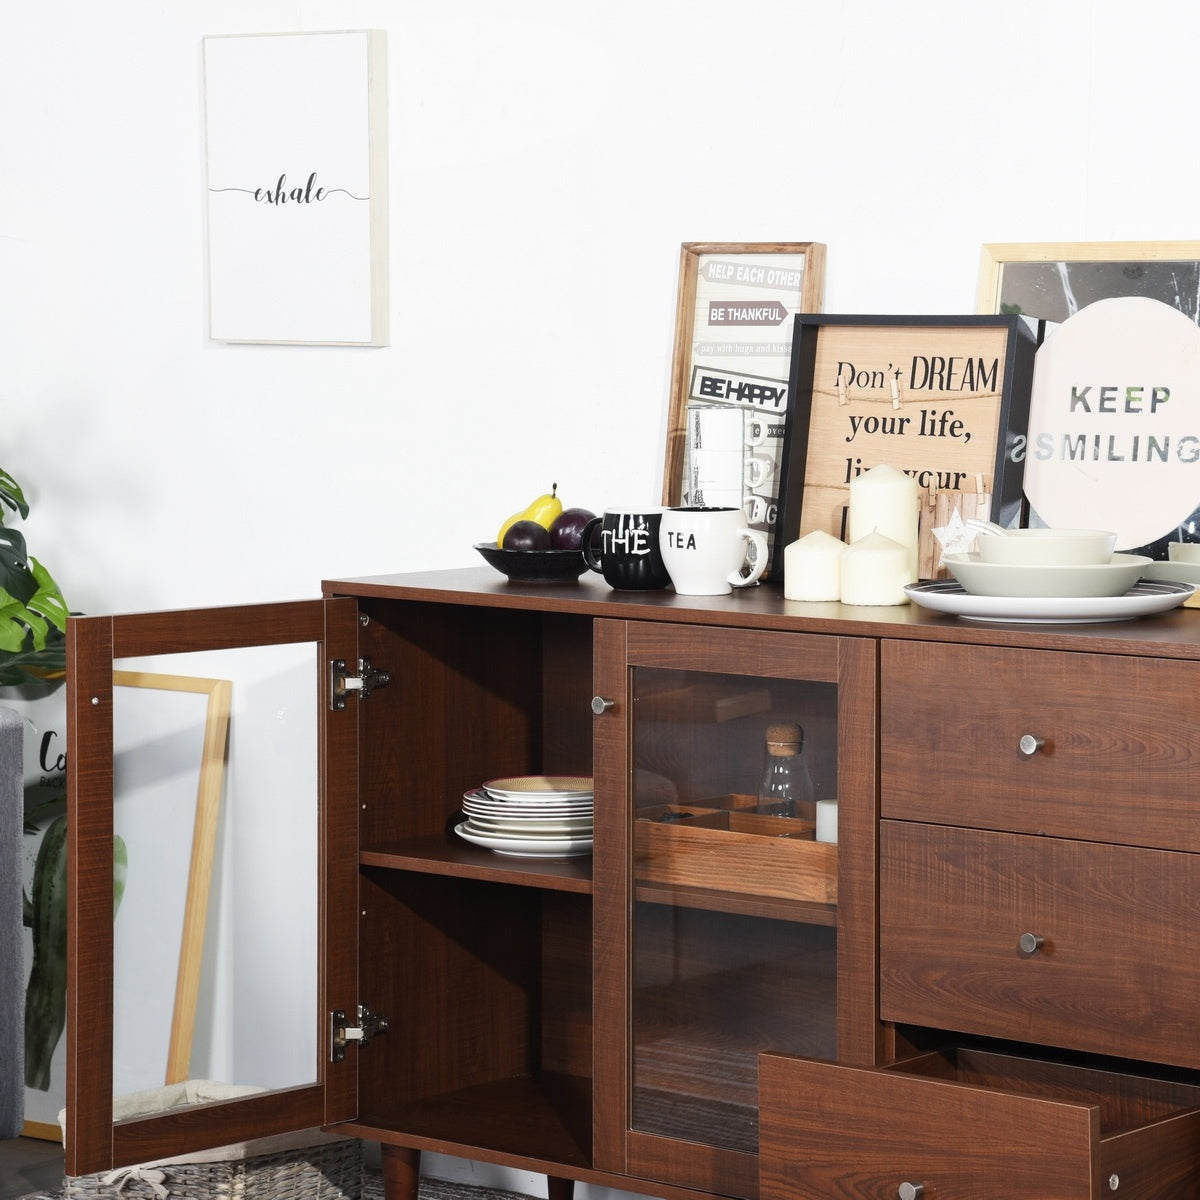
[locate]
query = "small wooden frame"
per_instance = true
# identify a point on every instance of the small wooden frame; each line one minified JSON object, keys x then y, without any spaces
{"x":204,"y":835}
{"x":733,"y":332}
{"x":1046,"y":281}
{"x":943,"y":398}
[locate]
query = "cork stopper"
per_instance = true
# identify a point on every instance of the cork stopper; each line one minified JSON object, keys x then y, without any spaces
{"x":784,"y":739}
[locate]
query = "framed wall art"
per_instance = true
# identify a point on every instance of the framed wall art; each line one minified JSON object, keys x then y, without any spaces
{"x":1047,"y":282}
{"x":729,"y":397}
{"x":297,"y":187}
{"x":943,"y":398}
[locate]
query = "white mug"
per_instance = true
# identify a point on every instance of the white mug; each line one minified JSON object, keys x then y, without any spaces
{"x":705,"y":550}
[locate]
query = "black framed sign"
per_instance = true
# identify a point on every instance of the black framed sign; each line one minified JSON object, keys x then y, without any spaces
{"x":943,"y":398}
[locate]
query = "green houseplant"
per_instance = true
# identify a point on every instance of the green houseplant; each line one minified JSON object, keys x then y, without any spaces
{"x":33,"y":621}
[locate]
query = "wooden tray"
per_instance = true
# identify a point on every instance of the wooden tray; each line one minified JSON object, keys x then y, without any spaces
{"x":719,"y":845}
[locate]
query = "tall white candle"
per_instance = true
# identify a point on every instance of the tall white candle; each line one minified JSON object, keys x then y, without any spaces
{"x":885,"y":500}
{"x":812,"y":567}
{"x":875,"y":571}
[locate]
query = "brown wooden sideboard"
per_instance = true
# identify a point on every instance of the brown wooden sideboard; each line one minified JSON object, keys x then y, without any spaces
{"x":986,"y":987}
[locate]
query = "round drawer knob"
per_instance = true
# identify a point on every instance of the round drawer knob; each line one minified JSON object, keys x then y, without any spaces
{"x":1030,"y":942}
{"x":911,"y":1191}
{"x":601,"y":704}
{"x":1029,"y":745}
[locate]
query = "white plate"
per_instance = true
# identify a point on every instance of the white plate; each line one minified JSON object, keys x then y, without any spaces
{"x":1144,"y":598}
{"x":508,"y":827}
{"x":480,"y":802}
{"x":527,"y":847}
{"x":980,"y":578}
{"x":528,"y":787}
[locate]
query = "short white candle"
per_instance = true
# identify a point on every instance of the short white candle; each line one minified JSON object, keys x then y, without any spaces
{"x":885,"y":500}
{"x":827,"y":830}
{"x":812,"y":567}
{"x":875,"y":571}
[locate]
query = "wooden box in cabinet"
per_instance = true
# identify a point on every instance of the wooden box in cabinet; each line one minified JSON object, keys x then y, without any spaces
{"x":735,"y":851}
{"x":967,"y":1124}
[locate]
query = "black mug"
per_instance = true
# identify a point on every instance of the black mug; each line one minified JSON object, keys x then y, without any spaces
{"x":628,"y":555}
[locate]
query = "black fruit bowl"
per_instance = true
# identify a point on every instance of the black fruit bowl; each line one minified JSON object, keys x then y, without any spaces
{"x":534,"y":566}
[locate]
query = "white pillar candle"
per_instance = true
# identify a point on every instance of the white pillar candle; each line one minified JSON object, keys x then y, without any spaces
{"x":885,"y":500}
{"x":812,"y":567}
{"x":827,"y":830}
{"x":875,"y":571}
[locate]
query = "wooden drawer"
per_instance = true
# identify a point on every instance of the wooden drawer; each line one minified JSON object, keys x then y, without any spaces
{"x":972,"y":1125}
{"x":1117,"y":970}
{"x":1119,"y":758}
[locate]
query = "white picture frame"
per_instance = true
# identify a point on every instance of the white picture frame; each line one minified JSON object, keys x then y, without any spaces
{"x":296,"y":167}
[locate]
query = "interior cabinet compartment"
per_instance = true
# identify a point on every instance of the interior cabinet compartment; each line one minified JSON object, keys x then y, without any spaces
{"x":1112,"y":752}
{"x":964,"y":1123}
{"x":487,"y":992}
{"x":1082,"y":945}
{"x":710,"y":991}
{"x":474,"y":694}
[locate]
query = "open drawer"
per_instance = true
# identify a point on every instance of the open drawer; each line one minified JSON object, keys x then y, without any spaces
{"x":967,"y":1124}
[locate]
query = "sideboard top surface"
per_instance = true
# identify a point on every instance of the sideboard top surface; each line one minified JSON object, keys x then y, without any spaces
{"x":1175,"y":634}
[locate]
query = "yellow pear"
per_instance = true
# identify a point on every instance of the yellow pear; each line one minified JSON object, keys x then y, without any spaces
{"x":543,"y":510}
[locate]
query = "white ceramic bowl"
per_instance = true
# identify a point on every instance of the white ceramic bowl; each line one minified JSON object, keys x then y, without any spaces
{"x":1047,"y":547}
{"x":1112,"y":578}
{"x":1183,"y":552}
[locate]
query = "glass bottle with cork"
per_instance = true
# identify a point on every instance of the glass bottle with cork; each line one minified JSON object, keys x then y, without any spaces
{"x":787,"y":788}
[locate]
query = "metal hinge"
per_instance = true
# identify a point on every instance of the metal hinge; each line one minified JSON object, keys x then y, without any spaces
{"x":341,"y":1033}
{"x":341,"y":682}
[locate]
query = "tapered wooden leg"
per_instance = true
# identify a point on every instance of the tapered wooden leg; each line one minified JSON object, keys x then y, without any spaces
{"x":556,"y":1188}
{"x":401,"y":1172}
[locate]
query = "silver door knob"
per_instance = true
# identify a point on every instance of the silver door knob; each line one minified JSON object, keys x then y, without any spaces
{"x":601,"y":704}
{"x":911,"y":1191}
{"x":1030,"y":942}
{"x":1030,"y":744}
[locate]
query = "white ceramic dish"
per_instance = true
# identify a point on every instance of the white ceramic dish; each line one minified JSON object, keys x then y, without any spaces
{"x":1143,"y":599}
{"x":481,"y":802}
{"x":1183,"y":552}
{"x":1113,"y":578}
{"x":524,"y":786}
{"x":1179,"y":572}
{"x":568,"y":827}
{"x":527,"y":847}
{"x":1047,"y":547}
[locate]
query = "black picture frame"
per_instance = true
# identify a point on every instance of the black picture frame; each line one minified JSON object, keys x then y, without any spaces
{"x":1008,"y":448}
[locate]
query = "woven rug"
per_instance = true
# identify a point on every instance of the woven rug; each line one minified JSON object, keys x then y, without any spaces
{"x":431,"y":1189}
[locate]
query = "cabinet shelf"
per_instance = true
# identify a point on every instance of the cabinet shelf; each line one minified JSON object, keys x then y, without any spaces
{"x":543,"y":1116}
{"x":441,"y":854}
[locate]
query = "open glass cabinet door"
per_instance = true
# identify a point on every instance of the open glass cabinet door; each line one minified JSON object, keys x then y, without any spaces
{"x":211,"y":863}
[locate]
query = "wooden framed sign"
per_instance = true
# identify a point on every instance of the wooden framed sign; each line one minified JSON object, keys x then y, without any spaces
{"x":729,"y":380}
{"x":944,"y":399}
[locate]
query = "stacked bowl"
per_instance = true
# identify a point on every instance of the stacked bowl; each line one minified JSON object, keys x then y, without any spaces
{"x":1037,"y":563}
{"x":530,"y":816}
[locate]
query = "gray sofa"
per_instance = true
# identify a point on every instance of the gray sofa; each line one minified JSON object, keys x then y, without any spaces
{"x":12,"y":969}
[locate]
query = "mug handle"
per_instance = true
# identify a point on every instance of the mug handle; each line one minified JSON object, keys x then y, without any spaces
{"x":760,"y":559}
{"x":586,"y":545}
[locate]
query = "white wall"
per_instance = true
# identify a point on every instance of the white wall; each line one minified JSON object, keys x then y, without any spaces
{"x":547,"y":158}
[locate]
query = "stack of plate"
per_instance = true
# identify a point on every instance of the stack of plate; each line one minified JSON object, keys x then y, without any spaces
{"x":530,"y":816}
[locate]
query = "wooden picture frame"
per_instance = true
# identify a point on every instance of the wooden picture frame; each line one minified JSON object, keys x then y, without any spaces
{"x":1046,"y":281}
{"x":943,"y":398}
{"x":204,"y":836}
{"x":732,"y":354}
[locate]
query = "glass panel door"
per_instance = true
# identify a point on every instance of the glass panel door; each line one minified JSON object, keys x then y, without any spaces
{"x":212,"y":818}
{"x":735,"y":923}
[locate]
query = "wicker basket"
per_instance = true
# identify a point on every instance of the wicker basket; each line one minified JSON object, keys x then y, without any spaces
{"x":327,"y":1171}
